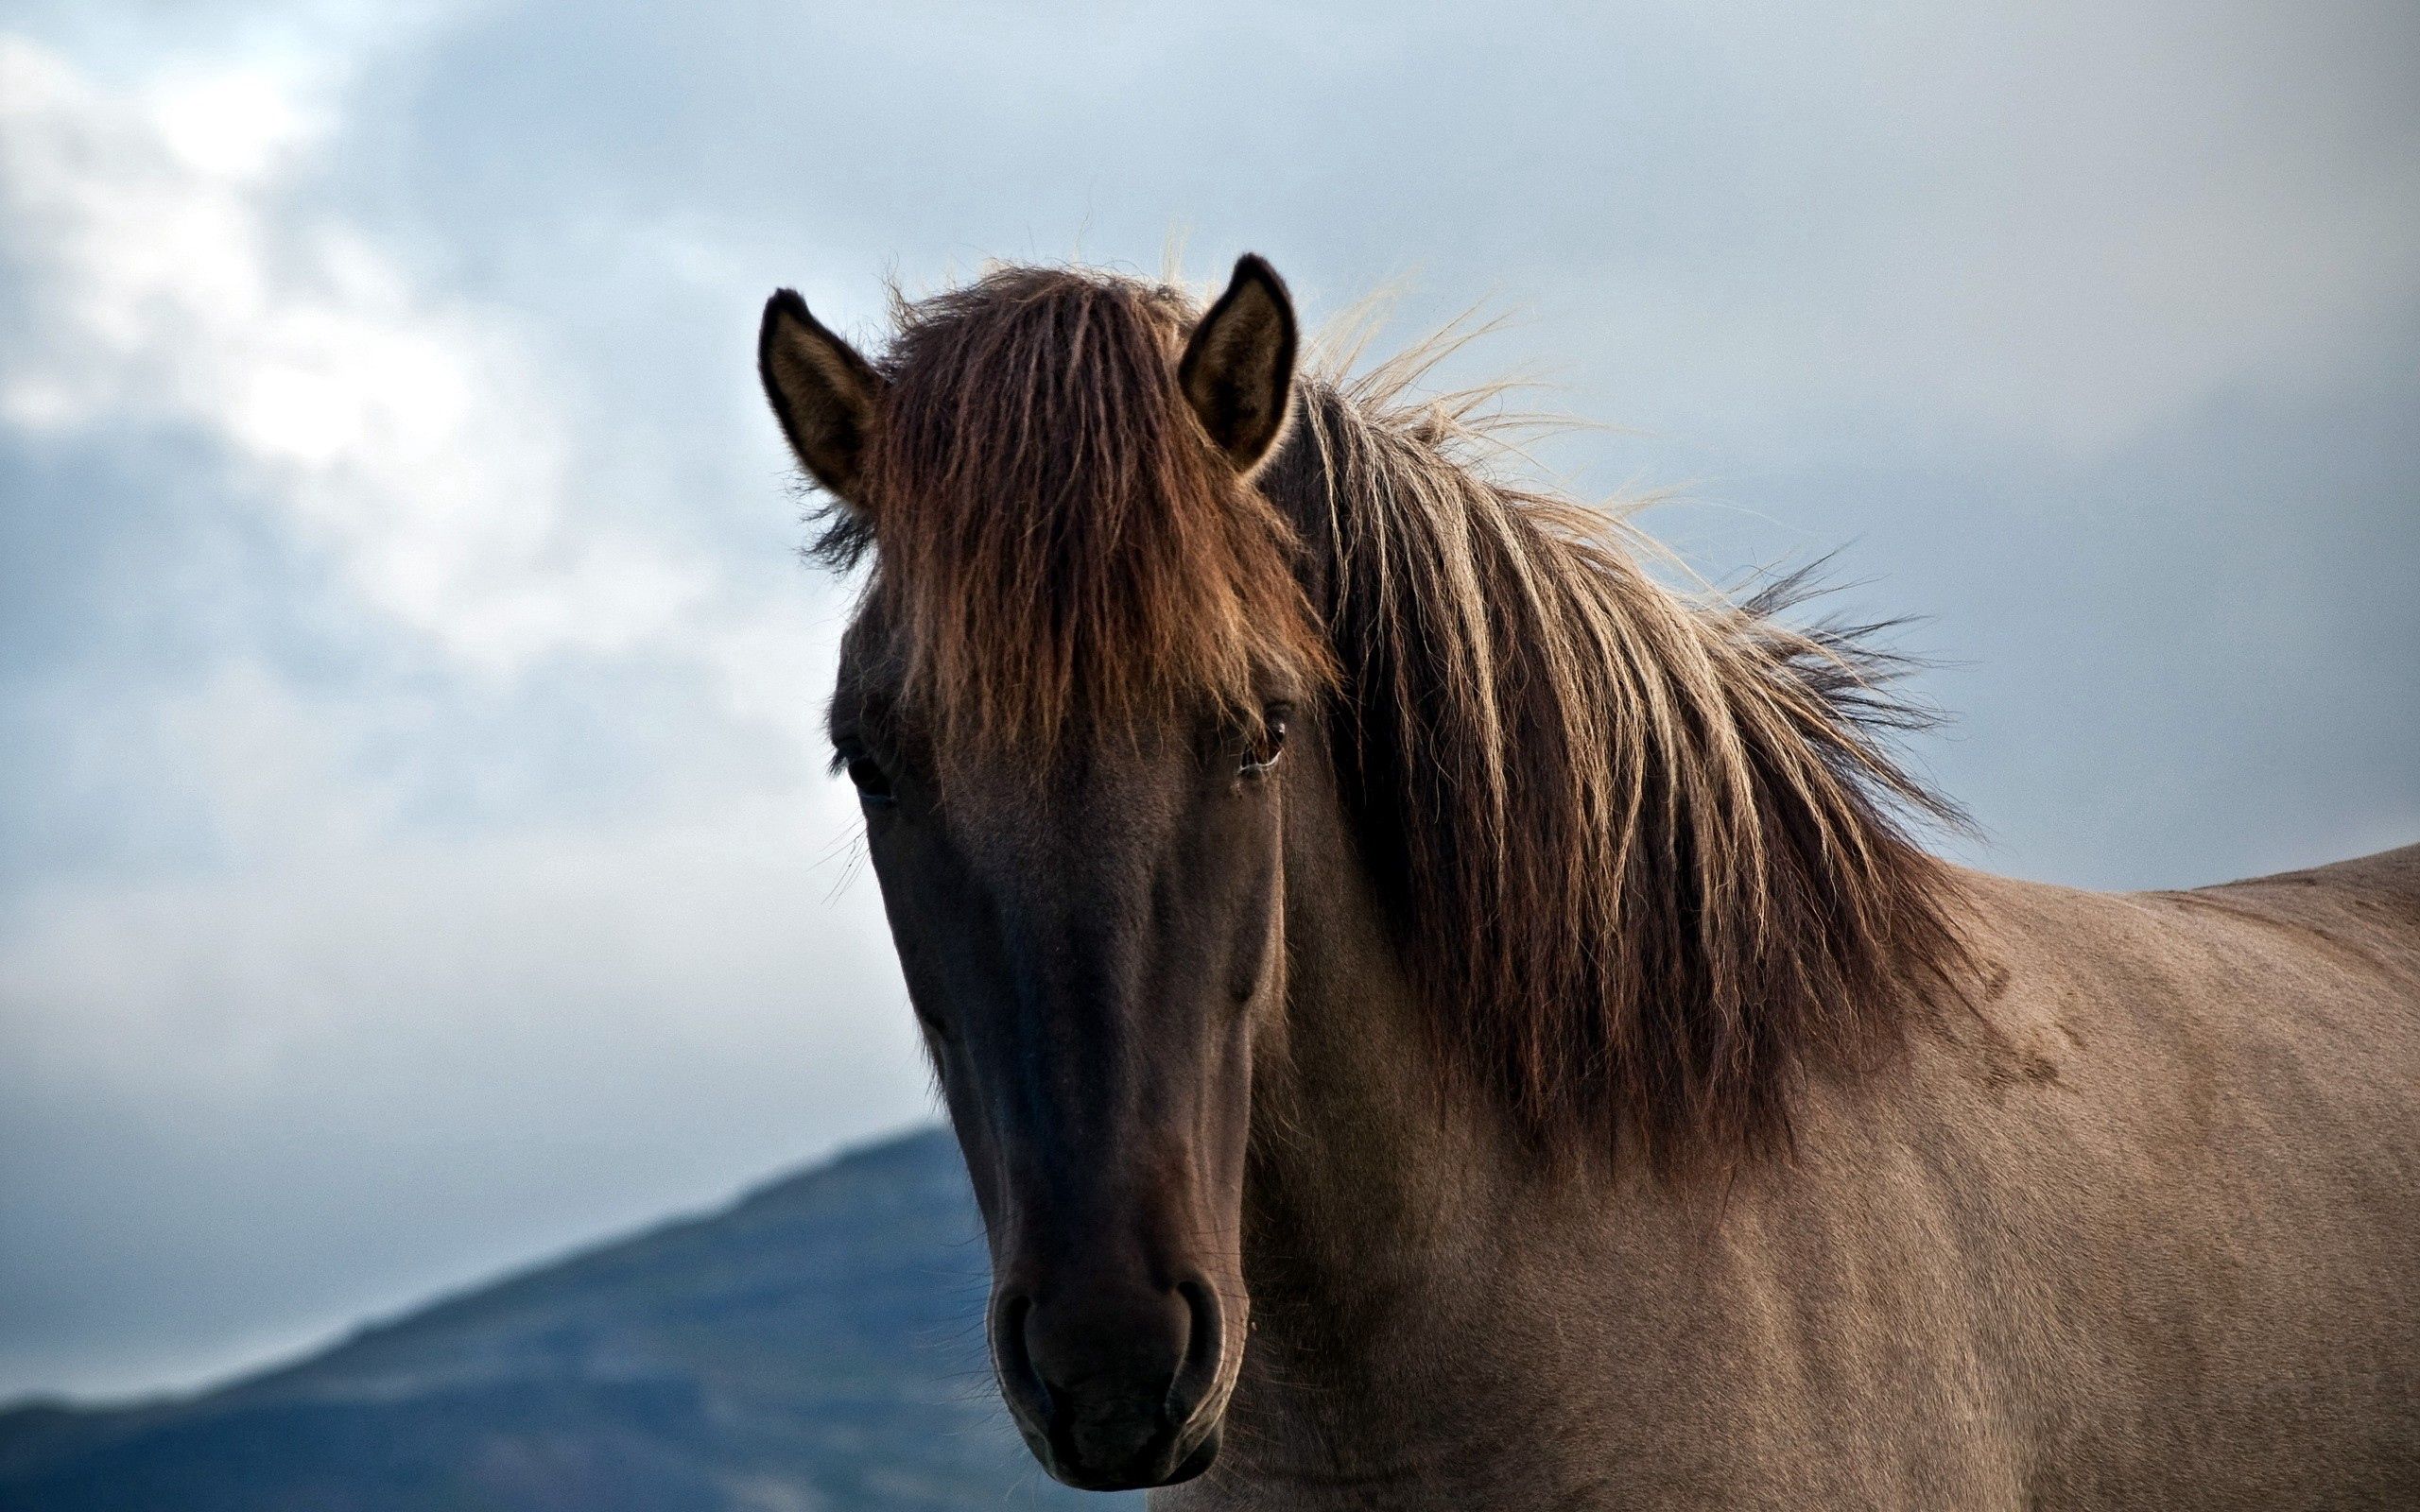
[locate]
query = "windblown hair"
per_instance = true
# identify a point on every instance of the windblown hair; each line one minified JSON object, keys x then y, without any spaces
{"x":1648,"y":848}
{"x":1054,"y":526}
{"x":1651,"y":845}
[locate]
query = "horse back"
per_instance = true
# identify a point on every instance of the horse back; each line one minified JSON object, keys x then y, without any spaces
{"x":2194,"y":1120}
{"x":2372,"y":901}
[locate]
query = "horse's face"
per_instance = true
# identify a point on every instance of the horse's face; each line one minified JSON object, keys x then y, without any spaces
{"x":1092,"y":958}
{"x":1092,"y":943}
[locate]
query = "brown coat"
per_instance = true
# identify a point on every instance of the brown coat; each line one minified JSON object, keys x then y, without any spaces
{"x":2140,"y":1230}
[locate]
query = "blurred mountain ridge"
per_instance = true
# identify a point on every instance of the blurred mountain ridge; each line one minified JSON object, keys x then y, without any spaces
{"x":814,"y":1345}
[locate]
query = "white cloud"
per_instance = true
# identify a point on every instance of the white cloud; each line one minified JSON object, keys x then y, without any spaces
{"x":237,"y":122}
{"x":170,"y":282}
{"x":502,"y":1026}
{"x":686,"y":934}
{"x":360,"y":1068}
{"x":2045,"y":226}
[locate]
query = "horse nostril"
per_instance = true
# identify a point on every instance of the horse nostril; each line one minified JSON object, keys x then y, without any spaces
{"x":1204,"y":1350}
{"x":1010,"y":1347}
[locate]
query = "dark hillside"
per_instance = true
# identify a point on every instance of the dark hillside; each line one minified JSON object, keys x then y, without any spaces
{"x":815,"y":1345}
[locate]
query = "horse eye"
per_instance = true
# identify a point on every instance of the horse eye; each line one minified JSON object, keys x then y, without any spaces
{"x":1268,"y":746}
{"x":874,"y":783}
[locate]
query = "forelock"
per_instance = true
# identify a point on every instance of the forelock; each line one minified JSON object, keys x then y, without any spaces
{"x":1056,"y":542}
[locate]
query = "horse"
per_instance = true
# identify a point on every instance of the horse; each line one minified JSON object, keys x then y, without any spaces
{"x":1438,"y":1016}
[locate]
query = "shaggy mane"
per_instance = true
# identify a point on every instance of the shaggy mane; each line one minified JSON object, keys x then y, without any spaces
{"x":1052,"y":526}
{"x":1647,"y":848}
{"x":1651,"y":847}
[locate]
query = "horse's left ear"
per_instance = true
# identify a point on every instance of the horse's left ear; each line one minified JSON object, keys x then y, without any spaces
{"x":1237,"y":371}
{"x":824,"y":394}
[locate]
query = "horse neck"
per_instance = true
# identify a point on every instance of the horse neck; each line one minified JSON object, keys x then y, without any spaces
{"x":1398,"y":1233}
{"x":1364,"y":1157}
{"x":1377,"y":1191}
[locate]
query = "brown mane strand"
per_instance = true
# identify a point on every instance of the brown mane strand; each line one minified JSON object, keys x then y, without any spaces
{"x":1651,"y":846}
{"x":1055,"y":530}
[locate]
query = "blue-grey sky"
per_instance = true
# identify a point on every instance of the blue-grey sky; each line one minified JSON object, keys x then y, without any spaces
{"x":414,"y":851}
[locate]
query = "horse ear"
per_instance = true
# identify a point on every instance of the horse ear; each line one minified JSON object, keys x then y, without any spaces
{"x":1237,"y":371}
{"x":824,"y":394}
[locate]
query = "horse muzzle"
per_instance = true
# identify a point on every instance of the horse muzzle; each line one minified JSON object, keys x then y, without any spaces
{"x":1117,"y":1390}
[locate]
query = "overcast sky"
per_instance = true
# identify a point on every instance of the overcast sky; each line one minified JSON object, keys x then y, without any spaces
{"x":414,"y":849}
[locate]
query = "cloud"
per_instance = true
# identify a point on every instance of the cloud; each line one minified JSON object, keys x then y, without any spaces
{"x":1756,"y":227}
{"x":336,"y":1083}
{"x":2048,"y":226}
{"x":509,"y":903}
{"x":409,"y":437}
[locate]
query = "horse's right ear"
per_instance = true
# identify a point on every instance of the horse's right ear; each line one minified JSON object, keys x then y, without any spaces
{"x":824,"y":394}
{"x":1237,"y":371}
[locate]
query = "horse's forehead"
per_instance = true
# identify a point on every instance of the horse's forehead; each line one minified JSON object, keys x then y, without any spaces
{"x":1127,"y":763}
{"x":1083,"y":835}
